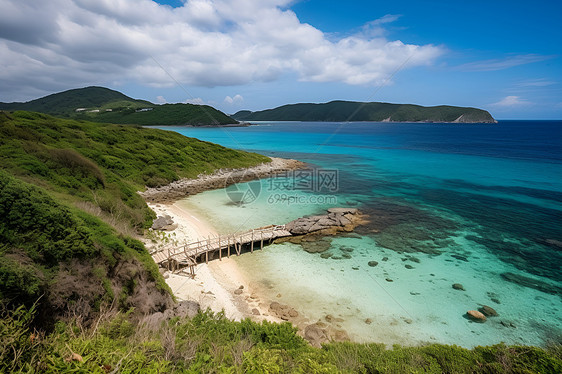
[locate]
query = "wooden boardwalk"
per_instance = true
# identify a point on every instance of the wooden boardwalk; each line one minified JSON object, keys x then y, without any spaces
{"x":189,"y":255}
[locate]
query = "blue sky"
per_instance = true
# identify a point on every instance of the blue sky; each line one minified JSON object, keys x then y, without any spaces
{"x":503,"y":56}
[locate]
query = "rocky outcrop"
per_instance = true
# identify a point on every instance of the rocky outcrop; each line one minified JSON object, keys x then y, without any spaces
{"x":488,"y":311}
{"x":336,"y":220}
{"x":220,"y":179}
{"x":164,"y":223}
{"x":476,"y":316}
{"x":315,"y":334}
{"x":282,"y":311}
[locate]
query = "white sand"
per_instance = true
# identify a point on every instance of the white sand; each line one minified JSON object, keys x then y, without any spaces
{"x":215,"y":283}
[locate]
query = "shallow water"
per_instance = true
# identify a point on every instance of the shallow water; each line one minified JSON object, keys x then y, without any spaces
{"x":479,"y":205}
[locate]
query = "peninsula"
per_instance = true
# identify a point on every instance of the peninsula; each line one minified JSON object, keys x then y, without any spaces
{"x":349,"y":111}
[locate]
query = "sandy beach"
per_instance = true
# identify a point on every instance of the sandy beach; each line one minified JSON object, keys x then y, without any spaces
{"x":218,"y":285}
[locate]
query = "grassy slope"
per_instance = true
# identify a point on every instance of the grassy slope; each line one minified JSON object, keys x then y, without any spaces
{"x":64,"y":104}
{"x":341,"y":111}
{"x":52,"y":242}
{"x":106,"y":164}
{"x":64,"y":259}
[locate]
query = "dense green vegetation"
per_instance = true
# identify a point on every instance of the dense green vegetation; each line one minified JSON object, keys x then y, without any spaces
{"x":209,"y":343}
{"x":104,"y":165}
{"x":69,"y":210}
{"x":62,"y":259}
{"x":101,"y":104}
{"x":344,"y":111}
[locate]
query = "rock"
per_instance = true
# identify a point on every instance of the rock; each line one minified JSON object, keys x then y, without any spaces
{"x":162,"y":223}
{"x":408,"y":321}
{"x":368,"y":321}
{"x":414,"y":259}
{"x":346,"y":256}
{"x":488,"y":311}
{"x":238,"y":292}
{"x":508,"y":324}
{"x":389,"y":280}
{"x":255,"y":312}
{"x":241,"y":287}
{"x":384,"y":259}
{"x":186,"y":309}
{"x":355,"y":268}
{"x":346,"y":249}
{"x":166,"y":275}
{"x":372,"y":263}
{"x":329,"y":318}
{"x":315,"y":335}
{"x":340,"y":219}
{"x":476,"y":315}
{"x":408,"y":266}
{"x":284,"y":312}
{"x":325,"y":255}
{"x":458,"y":286}
{"x":341,"y":336}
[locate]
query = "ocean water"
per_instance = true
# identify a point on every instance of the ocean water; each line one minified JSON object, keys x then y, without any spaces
{"x":479,"y":205}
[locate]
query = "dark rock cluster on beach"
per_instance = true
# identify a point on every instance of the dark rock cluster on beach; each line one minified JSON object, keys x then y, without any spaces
{"x":282,"y":311}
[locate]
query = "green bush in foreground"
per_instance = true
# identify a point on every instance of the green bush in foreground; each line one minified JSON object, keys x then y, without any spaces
{"x":210,"y":343}
{"x":62,"y":256}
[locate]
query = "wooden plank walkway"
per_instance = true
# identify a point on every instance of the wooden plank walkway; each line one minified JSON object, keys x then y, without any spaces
{"x":188,"y":255}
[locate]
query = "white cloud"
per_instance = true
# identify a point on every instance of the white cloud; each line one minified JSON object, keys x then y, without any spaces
{"x":58,"y":44}
{"x":161,"y":100}
{"x":196,"y":101}
{"x":237,"y":99}
{"x":542,"y":82}
{"x":505,"y":63}
{"x":511,"y":101}
{"x":376,"y":28}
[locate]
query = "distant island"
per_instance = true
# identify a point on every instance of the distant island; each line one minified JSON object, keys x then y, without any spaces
{"x":100,"y":104}
{"x":349,"y":111}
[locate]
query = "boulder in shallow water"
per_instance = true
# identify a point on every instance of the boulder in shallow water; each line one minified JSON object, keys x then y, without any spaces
{"x":488,"y":311}
{"x":372,"y":263}
{"x":458,"y":286}
{"x":476,"y":316}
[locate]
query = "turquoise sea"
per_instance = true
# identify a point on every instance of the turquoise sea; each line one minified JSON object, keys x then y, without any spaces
{"x":479,"y":205}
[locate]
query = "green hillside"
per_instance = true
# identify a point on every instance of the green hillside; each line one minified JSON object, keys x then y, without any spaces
{"x":101,"y":104}
{"x":69,"y":209}
{"x":347,"y":111}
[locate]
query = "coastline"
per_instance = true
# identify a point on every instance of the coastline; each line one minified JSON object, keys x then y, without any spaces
{"x":219,"y":179}
{"x":218,"y":285}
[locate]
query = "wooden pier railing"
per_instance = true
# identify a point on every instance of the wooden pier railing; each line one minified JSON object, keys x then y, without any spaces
{"x":188,"y":255}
